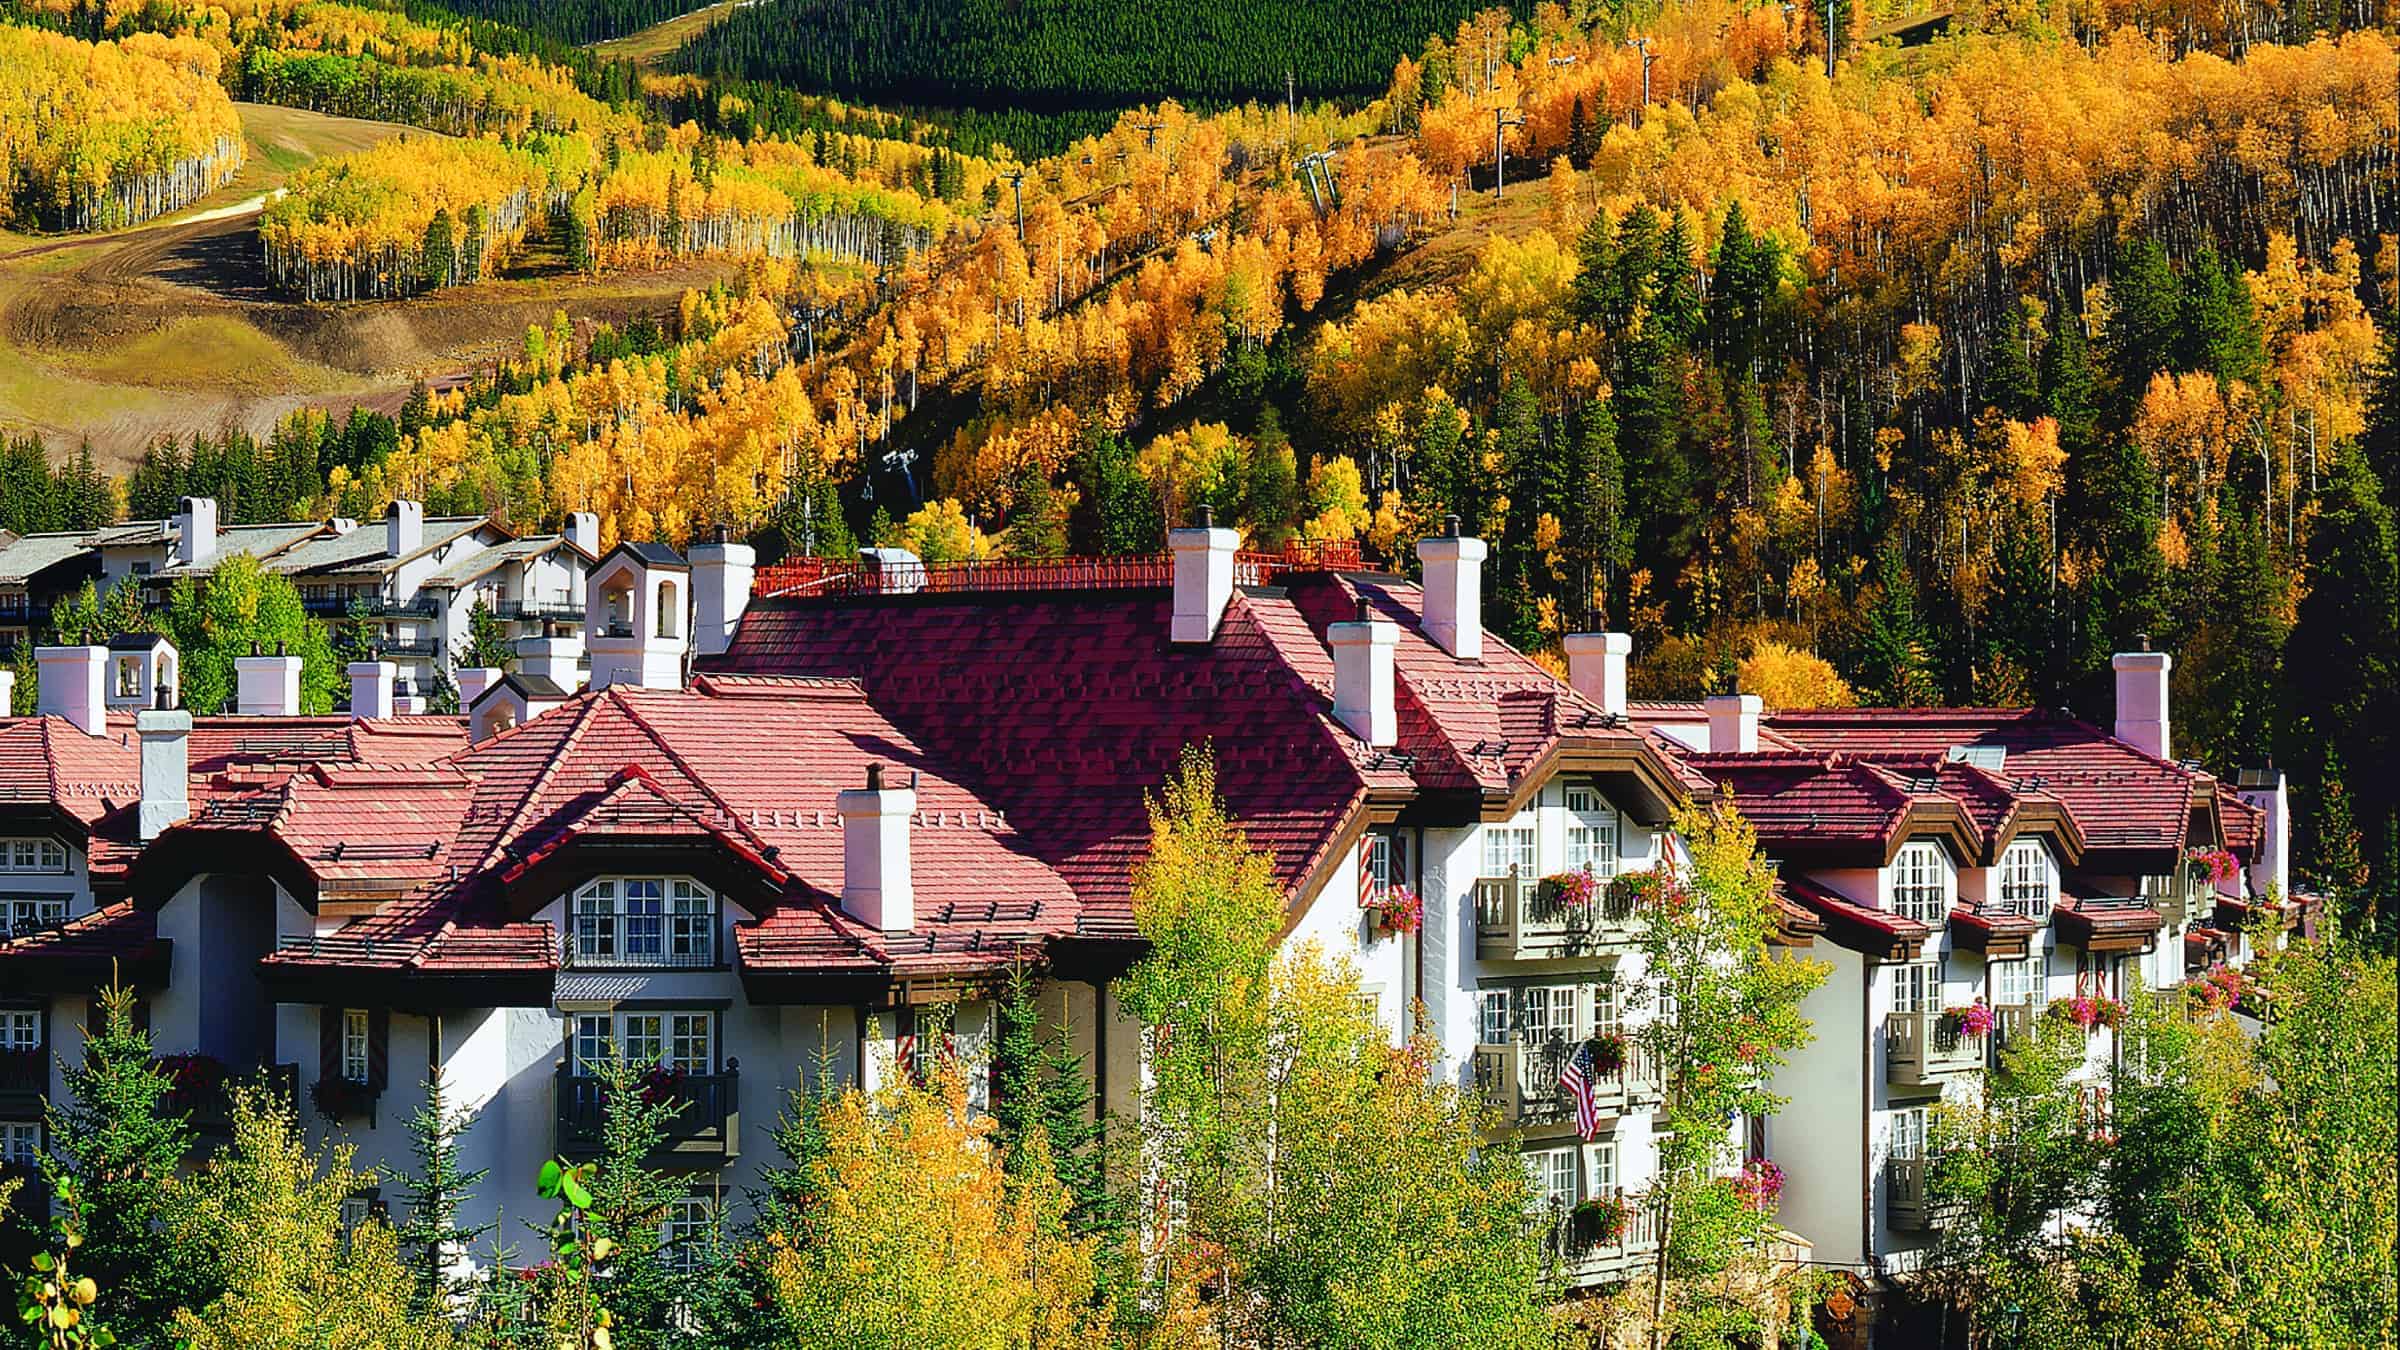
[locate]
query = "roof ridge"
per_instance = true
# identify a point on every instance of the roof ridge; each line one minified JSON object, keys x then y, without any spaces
{"x":698,"y":780}
{"x":518,"y":818}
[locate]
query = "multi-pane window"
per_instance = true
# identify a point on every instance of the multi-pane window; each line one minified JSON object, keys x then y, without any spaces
{"x":1508,"y":851}
{"x":1920,"y":884}
{"x":1492,"y":1007}
{"x":1591,"y":832}
{"x":1908,"y":1132}
{"x":1552,"y":1173}
{"x":685,"y":1230}
{"x":1387,"y":860}
{"x":1916,"y":987}
{"x":1549,"y":1013}
{"x":1608,"y":1013}
{"x":354,"y":1044}
{"x":360,"y":1206}
{"x":31,"y":913}
{"x":644,"y":921}
{"x":20,"y":1029}
{"x":20,"y":1142}
{"x":678,"y":1040}
{"x":2025,"y":879}
{"x":1604,"y":1168}
{"x":32,"y":855}
{"x":2012,"y":982}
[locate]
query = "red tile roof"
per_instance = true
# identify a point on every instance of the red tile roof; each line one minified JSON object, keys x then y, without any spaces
{"x":1862,"y":928}
{"x":113,"y":942}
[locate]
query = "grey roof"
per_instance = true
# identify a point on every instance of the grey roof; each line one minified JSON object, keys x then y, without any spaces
{"x":132,"y":532}
{"x":134,"y":642}
{"x":653,"y":554}
{"x":259,"y":541}
{"x":460,"y":571}
{"x":361,"y":551}
{"x":23,"y":559}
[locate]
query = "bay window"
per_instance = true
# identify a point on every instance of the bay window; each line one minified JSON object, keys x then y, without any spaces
{"x":673,"y":1040}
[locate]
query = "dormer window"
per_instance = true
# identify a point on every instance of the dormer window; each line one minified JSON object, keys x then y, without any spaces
{"x":2025,"y":879}
{"x":1591,"y":832}
{"x":643,"y":921}
{"x":1921,"y":884}
{"x":32,"y":855}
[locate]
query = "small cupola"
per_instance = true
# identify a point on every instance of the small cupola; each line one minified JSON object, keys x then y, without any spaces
{"x":637,"y":617}
{"x":140,"y":666}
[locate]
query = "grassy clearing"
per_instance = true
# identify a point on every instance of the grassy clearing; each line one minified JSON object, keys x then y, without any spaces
{"x":651,"y":45}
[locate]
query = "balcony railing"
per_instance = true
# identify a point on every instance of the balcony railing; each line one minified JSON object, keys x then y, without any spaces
{"x":561,"y":609}
{"x":1905,"y":1204}
{"x":1516,"y":920}
{"x":2012,"y":1022}
{"x":1926,"y":1050}
{"x":1583,"y":1264}
{"x":210,"y":1105}
{"x":409,"y":646}
{"x":24,"y":1071}
{"x":709,"y":1125}
{"x":1521,"y":1081}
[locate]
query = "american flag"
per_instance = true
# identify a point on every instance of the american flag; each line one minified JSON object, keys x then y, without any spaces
{"x":1580,"y":1079}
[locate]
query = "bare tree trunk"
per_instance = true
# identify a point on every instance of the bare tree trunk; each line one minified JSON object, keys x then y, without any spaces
{"x":1658,"y":1275}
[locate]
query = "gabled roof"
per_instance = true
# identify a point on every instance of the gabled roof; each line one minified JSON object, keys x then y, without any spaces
{"x":363,"y":552}
{"x":1879,"y":933}
{"x":26,"y":557}
{"x":468,"y":567}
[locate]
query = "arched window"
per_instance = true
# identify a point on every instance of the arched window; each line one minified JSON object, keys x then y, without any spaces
{"x":1921,"y":883}
{"x":616,"y":611}
{"x":670,"y":611}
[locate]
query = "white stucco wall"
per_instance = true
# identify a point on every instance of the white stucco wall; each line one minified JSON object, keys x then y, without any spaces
{"x":1816,"y":1139}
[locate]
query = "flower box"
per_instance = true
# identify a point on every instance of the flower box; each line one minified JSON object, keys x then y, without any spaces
{"x":1760,"y":1184}
{"x":2213,"y":865}
{"x":1570,"y":890}
{"x":662,"y":1086}
{"x":1972,"y":1020}
{"x":1394,"y":910}
{"x":2089,"y":1011}
{"x":195,"y":1082}
{"x":1608,"y":1054}
{"x":1647,"y":891}
{"x":342,"y":1098}
{"x":1599,"y":1222}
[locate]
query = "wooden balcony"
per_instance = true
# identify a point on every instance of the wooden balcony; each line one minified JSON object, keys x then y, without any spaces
{"x":1522,"y":1082}
{"x":1905,"y":1204}
{"x":1587,"y":1264}
{"x":1923,"y":1052}
{"x":2012,"y":1023}
{"x":707,"y":1128}
{"x":210,"y":1108}
{"x":1514,"y":922}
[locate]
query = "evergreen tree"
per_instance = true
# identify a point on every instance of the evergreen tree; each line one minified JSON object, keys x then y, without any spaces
{"x":1036,"y":525}
{"x":2220,"y":333}
{"x":1896,"y":658}
{"x":2010,"y":383}
{"x":2125,"y":596}
{"x":439,"y":261}
{"x":488,"y":644}
{"x":2069,"y":394}
{"x":1592,"y":296}
{"x":1040,"y":1087}
{"x":122,"y":1141}
{"x":1274,"y":487}
{"x":2235,"y":658}
{"x":432,"y":1196}
{"x":2380,"y":441}
{"x":1579,"y":135}
{"x":1675,"y":288}
{"x":1116,"y":510}
{"x":2145,"y":324}
{"x":2342,"y":661}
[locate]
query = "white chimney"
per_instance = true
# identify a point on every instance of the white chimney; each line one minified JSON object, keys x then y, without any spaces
{"x":583,"y":531}
{"x":403,"y":528}
{"x":2271,"y":871}
{"x":1454,"y":590}
{"x":195,"y":531}
{"x":721,"y":577}
{"x":1203,"y":577}
{"x":373,"y":684}
{"x":267,"y":686}
{"x":556,"y":659}
{"x":474,"y":682}
{"x":2142,"y":699}
{"x":1363,"y":697}
{"x":73,"y":682}
{"x":166,"y":740}
{"x":877,"y":888}
{"x":1596,"y":667}
{"x":8,"y":693}
{"x":1733,"y":723}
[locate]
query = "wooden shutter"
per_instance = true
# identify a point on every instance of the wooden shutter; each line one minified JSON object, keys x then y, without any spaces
{"x":329,"y":1044}
{"x":379,"y":1048}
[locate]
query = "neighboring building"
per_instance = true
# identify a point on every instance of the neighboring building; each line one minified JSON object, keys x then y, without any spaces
{"x":416,"y":580}
{"x":818,"y":820}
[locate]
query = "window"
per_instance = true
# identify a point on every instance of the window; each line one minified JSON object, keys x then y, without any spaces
{"x":687,"y":1228}
{"x":20,"y":1143}
{"x":1387,"y":860}
{"x":1604,"y":1169}
{"x":1508,"y":851}
{"x":2025,"y":879}
{"x":2012,"y":982}
{"x":31,"y":913}
{"x":1908,"y":1133}
{"x":360,"y":1206}
{"x":20,"y":1029}
{"x":670,"y":611}
{"x":1591,"y":832}
{"x":1916,"y":987}
{"x":678,"y":1040}
{"x":1493,"y":1007}
{"x":1921,"y":884}
{"x":1552,"y":1173}
{"x":129,"y":677}
{"x":1550,"y":1013}
{"x":354,"y":1045}
{"x":1607,"y":1014}
{"x":643,"y":921}
{"x":33,"y":855}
